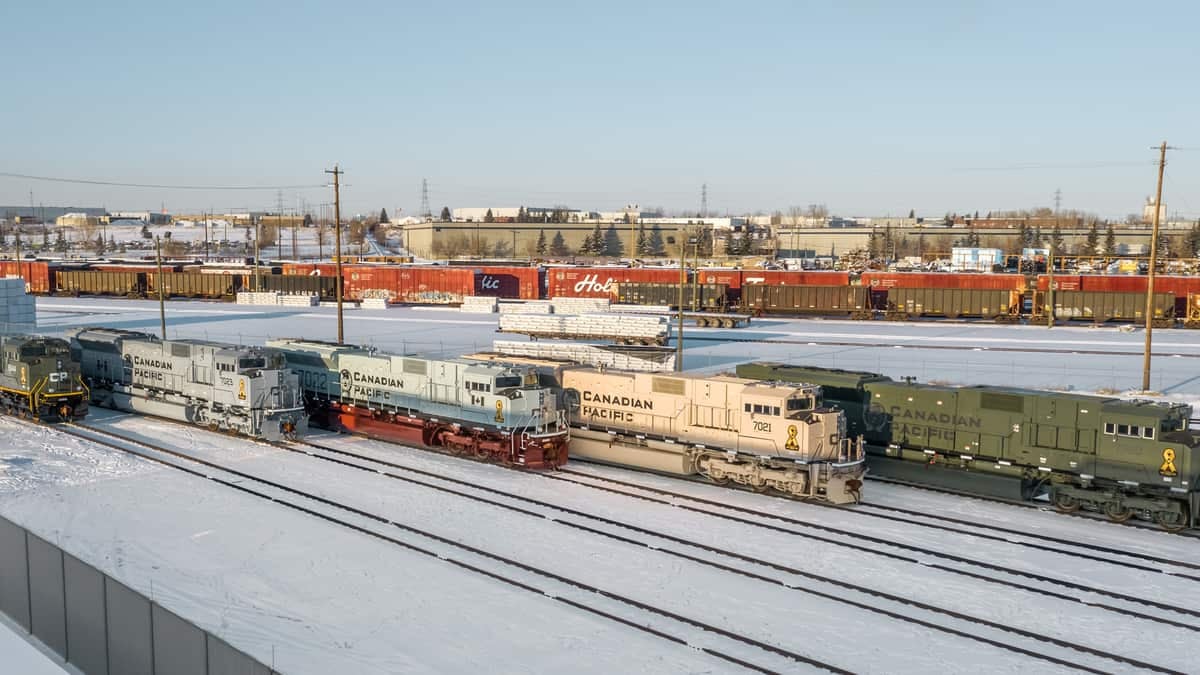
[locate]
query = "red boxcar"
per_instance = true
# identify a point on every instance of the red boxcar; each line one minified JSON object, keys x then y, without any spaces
{"x":508,"y":282}
{"x":419,"y":285}
{"x":794,"y":278}
{"x":1062,"y":282}
{"x":36,"y":274}
{"x":988,"y":281}
{"x":600,"y":282}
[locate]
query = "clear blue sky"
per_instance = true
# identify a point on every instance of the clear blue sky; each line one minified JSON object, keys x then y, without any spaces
{"x":869,"y":107}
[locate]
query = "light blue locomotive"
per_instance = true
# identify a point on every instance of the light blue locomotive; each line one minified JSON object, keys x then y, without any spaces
{"x":492,"y":411}
{"x":245,"y":390}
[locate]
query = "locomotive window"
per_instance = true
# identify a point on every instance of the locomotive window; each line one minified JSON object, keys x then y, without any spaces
{"x":1110,"y":428}
{"x":798,"y":404}
{"x":507,"y":382}
{"x":747,"y":407}
{"x":775,"y":411}
{"x":252,"y":362}
{"x":1148,"y":432}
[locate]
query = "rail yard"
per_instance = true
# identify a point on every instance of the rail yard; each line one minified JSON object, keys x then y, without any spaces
{"x":579,"y":509}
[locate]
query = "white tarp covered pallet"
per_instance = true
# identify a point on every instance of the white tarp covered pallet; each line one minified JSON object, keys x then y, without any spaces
{"x":616,"y":326}
{"x":592,"y":355}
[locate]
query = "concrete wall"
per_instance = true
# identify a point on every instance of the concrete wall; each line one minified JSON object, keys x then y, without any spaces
{"x":98,"y":624}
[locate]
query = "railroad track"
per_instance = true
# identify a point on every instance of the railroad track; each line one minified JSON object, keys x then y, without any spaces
{"x":1042,"y":579}
{"x":868,"y":592}
{"x":314,"y":450}
{"x":635,"y":611}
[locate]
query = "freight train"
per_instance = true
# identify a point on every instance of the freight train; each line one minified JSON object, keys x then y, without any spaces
{"x":766,"y":436}
{"x":40,"y":380}
{"x":1124,"y":459}
{"x":492,"y":411}
{"x":245,"y":390}
{"x":1004,"y":298}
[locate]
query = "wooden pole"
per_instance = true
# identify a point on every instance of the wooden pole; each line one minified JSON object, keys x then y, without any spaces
{"x":1162,"y":163}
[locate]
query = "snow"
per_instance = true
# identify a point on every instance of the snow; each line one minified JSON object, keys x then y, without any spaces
{"x":323,"y":598}
{"x":20,"y":654}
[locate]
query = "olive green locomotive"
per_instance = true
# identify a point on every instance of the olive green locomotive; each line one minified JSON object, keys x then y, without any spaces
{"x":1122,"y":458}
{"x":40,"y":380}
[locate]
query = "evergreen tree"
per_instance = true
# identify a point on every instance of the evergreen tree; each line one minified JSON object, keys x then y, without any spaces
{"x":1092,"y":241}
{"x":612,"y":243}
{"x":1190,"y":247}
{"x":540,"y":248}
{"x":912,"y":214}
{"x":597,"y":239}
{"x":587,"y":246}
{"x":558,"y":245}
{"x":522,"y":215}
{"x":657,"y":247}
{"x":60,"y":242}
{"x":1056,"y":240}
{"x":1023,"y":235}
{"x":383,"y":217}
{"x":1110,"y":241}
{"x":445,"y":217}
{"x":45,"y":238}
{"x":100,"y":246}
{"x":873,"y":245}
{"x":642,"y":247}
{"x":488,"y":217}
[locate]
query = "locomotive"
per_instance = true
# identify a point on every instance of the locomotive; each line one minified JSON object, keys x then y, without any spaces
{"x":497,"y":412}
{"x":766,"y":436}
{"x":245,"y":390}
{"x":1122,"y":458}
{"x":39,"y":379}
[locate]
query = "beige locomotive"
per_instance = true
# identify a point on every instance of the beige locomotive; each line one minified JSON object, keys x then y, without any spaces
{"x":760,"y":434}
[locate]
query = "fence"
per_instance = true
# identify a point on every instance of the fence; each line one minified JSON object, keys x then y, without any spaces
{"x":98,"y":624}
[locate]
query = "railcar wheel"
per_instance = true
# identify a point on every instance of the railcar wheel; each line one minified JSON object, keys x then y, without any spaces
{"x":760,"y":488}
{"x":1065,"y":503}
{"x":1116,"y":512}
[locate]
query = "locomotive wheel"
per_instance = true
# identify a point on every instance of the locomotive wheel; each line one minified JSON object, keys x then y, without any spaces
{"x":760,"y":488}
{"x":1116,"y":512}
{"x":1065,"y":503}
{"x":1171,"y":521}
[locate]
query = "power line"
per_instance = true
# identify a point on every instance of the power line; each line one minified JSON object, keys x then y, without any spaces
{"x":1038,"y":167}
{"x":84,"y":181}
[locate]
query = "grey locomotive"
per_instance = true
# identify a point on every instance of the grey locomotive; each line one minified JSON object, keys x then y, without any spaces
{"x":490,"y":410}
{"x":246,"y":390}
{"x":39,"y":379}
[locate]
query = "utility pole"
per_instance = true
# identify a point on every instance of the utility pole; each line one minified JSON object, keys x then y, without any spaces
{"x":682,"y":282}
{"x":337,"y":236}
{"x":1162,"y":164}
{"x":257,"y":267}
{"x":159,"y":281}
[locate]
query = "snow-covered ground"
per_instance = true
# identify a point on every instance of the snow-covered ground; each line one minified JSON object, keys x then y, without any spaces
{"x":323,"y":598}
{"x":19,"y":654}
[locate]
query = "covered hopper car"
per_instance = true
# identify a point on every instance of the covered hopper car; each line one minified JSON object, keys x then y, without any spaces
{"x":497,"y":412}
{"x":246,"y":390}
{"x":1122,"y":458}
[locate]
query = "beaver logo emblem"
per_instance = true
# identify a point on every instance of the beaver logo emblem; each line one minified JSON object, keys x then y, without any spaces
{"x":792,"y":443}
{"x":499,"y":412}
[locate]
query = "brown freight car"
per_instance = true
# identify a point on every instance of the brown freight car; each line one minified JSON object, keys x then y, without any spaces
{"x":696,"y":297}
{"x":100,"y":282}
{"x":849,"y":301}
{"x":194,"y":285}
{"x":1002,"y":306}
{"x":1100,"y":307}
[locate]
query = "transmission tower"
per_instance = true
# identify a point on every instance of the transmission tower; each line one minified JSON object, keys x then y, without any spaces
{"x":704,"y":200}
{"x":1057,"y":200}
{"x":425,"y":210}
